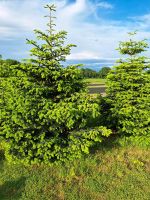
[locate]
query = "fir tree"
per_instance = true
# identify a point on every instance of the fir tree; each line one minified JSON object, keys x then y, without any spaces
{"x":48,"y":108}
{"x":129,"y":90}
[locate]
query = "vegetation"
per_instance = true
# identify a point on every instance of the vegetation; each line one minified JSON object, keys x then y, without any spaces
{"x":89,"y":73}
{"x":48,"y":121}
{"x":104,"y":72}
{"x":95,"y":81}
{"x":96,"y":86}
{"x":110,"y":172}
{"x":46,"y":113}
{"x":128,"y":91}
{"x":8,"y":61}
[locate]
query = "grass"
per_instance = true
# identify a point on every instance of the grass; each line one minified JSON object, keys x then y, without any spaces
{"x":96,"y":81}
{"x":110,"y":172}
{"x":96,"y":86}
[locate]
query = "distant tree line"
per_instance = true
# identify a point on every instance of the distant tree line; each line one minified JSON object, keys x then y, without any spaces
{"x":90,"y":73}
{"x":8,"y":61}
{"x":86,"y":72}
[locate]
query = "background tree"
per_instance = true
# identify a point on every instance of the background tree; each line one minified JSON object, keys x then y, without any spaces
{"x":11,"y":62}
{"x":1,"y":60}
{"x":129,"y":90}
{"x":104,"y":72}
{"x":89,"y":73}
{"x":46,"y":110}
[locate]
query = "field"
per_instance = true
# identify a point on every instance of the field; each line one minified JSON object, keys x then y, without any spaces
{"x":110,"y":172}
{"x":96,"y":81}
{"x":96,"y":86}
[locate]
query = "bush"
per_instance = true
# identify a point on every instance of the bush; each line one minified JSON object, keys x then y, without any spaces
{"x":46,"y":110}
{"x":128,"y":90}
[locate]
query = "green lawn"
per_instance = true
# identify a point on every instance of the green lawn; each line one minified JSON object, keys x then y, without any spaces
{"x":96,"y":86}
{"x":95,"y":81}
{"x":108,"y":173}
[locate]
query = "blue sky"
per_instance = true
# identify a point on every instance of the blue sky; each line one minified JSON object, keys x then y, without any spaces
{"x":95,"y":26}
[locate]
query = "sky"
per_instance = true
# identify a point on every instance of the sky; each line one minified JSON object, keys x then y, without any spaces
{"x":95,"y":26}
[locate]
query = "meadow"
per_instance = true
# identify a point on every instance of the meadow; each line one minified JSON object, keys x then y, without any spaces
{"x":96,"y":81}
{"x":112,"y":171}
{"x":96,"y":86}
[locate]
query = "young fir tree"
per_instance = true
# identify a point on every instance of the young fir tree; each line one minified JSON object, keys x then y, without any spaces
{"x":47,"y":110}
{"x":129,"y":90}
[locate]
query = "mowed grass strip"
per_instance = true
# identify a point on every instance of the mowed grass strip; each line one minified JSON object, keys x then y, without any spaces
{"x":95,"y":81}
{"x":96,"y":86}
{"x":110,"y":172}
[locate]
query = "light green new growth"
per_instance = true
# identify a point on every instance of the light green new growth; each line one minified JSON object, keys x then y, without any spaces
{"x":46,"y":108}
{"x":129,"y":90}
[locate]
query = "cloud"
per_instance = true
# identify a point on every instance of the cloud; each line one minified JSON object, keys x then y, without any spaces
{"x":105,"y":5}
{"x":142,"y":21}
{"x":95,"y":37}
{"x":75,"y":8}
{"x":92,"y":37}
{"x":83,"y":55}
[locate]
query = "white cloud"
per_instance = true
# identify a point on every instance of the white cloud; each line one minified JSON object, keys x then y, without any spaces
{"x":105,"y":5}
{"x":83,"y":55}
{"x":96,"y":38}
{"x":16,"y":17}
{"x":142,"y":21}
{"x":75,"y":8}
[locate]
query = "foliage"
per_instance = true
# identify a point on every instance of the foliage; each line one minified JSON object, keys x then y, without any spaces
{"x":46,"y":110}
{"x":5,"y":73}
{"x":104,"y":72}
{"x":128,"y":91}
{"x":89,"y":73}
{"x":8,"y":61}
{"x":106,"y":118}
{"x":11,"y":62}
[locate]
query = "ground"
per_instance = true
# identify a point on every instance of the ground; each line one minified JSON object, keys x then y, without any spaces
{"x":110,"y":172}
{"x":95,"y":80}
{"x":96,"y":86}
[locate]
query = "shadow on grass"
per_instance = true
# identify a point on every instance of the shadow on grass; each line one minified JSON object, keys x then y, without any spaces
{"x":108,"y":144}
{"x":12,"y":189}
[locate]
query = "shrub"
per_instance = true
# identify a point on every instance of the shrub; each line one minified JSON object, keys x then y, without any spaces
{"x":46,"y":110}
{"x":128,"y":90}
